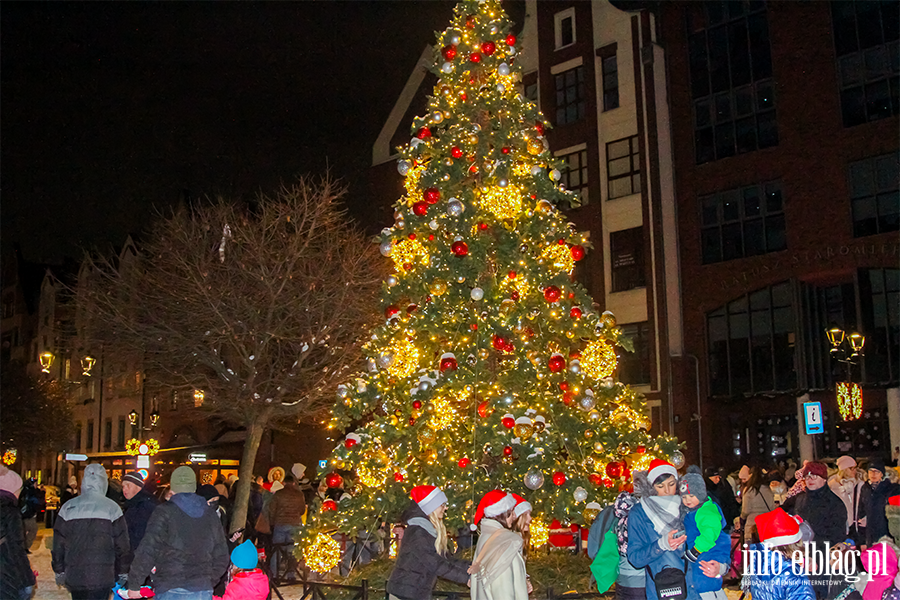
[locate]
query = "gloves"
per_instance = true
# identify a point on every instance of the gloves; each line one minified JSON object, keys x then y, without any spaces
{"x":692,"y":554}
{"x":60,"y":578}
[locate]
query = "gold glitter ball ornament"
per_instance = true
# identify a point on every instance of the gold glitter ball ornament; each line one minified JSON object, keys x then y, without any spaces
{"x":598,"y":360}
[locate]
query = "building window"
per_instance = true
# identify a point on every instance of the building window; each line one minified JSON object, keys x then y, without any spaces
{"x":879,"y":293}
{"x":89,"y":442}
{"x":575,"y":176}
{"x":623,"y":167}
{"x":564,"y":28}
{"x":751,"y":343}
{"x":731,"y":79}
{"x":120,"y":436}
{"x":874,"y":195}
{"x":626,"y":253}
{"x":866,"y":44}
{"x":107,"y":434}
{"x":634,"y":367}
{"x":743,"y":222}
{"x":569,"y":95}
{"x":531,"y":92}
{"x":610,"y":69}
{"x":77,"y":444}
{"x":68,"y":368}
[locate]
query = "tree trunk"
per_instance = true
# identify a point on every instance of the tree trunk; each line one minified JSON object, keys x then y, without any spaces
{"x":245,"y":473}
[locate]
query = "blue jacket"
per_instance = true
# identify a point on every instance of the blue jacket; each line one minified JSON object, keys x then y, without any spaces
{"x":713,"y":521}
{"x":644,"y":550}
{"x":782,"y":586}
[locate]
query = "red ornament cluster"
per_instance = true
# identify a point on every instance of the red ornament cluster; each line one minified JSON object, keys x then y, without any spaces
{"x":463,"y":462}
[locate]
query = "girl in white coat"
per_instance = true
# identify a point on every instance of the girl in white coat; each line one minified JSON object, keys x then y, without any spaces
{"x":498,"y":564}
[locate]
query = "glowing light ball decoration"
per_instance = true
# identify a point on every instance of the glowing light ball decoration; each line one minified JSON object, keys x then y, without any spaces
{"x":558,"y":257}
{"x":9,"y":457}
{"x":598,"y":360}
{"x":407,"y":253}
{"x":540,"y":533}
{"x":502,"y":202}
{"x":323,"y":554}
{"x":406,"y":359}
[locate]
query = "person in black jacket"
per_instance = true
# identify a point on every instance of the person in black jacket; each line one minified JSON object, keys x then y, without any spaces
{"x":881,"y":490}
{"x":422,"y":557}
{"x":139,"y":505}
{"x":90,"y":540}
{"x":16,"y":577}
{"x":819,"y":506}
{"x":184,"y":541}
{"x":722,"y":494}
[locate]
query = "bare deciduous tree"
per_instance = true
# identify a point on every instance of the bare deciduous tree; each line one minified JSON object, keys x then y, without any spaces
{"x":261,"y":307}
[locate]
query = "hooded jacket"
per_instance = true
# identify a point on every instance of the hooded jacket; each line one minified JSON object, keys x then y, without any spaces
{"x":90,"y":537}
{"x":185,"y":542}
{"x":247,"y":585}
{"x":705,"y":527}
{"x":418,"y":564}
{"x":15,"y":571}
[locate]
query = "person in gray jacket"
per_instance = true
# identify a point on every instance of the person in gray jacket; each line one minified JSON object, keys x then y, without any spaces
{"x":90,"y":540}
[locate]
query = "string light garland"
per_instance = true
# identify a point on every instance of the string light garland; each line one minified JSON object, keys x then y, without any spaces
{"x":598,"y":360}
{"x":323,"y":554}
{"x":850,"y":401}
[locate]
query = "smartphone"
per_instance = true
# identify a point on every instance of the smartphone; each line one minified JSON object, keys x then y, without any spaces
{"x":678,"y":533}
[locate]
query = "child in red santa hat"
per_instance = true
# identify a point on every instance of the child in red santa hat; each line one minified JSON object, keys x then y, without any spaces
{"x":499,"y":567}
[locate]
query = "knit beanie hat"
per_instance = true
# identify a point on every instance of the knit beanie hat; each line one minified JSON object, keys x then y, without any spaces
{"x":245,"y":556}
{"x":522,"y":505}
{"x":877,"y":464}
{"x":135,"y":478}
{"x":692,"y":484}
{"x":744,"y":473}
{"x":10,"y":481}
{"x":183,"y":480}
{"x":660,"y":467}
{"x":428,"y":497}
{"x":495,"y":502}
{"x":208,"y":492}
{"x":845,"y":462}
{"x":298,"y":470}
{"x":777,"y":528}
{"x":817,"y":468}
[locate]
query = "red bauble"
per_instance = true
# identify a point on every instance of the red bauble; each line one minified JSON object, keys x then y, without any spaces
{"x":514,"y":295}
{"x":398,"y":476}
{"x":614,"y":470}
{"x":488,"y":48}
{"x":333,"y":480}
{"x":508,"y":422}
{"x":456,"y":152}
{"x":564,"y":385}
{"x":482,"y":226}
{"x":417,"y":404}
{"x":390,"y":311}
{"x":448,"y":364}
{"x":505,"y":149}
{"x":485,"y":410}
{"x":559,"y":478}
{"x":412,"y":308}
{"x":349,"y":443}
{"x":607,"y":482}
{"x":552,"y":293}
{"x":470,"y":22}
{"x":561,"y":241}
{"x":567,"y":398}
{"x":498,"y":342}
{"x":431,"y":237}
{"x":556,"y":363}
{"x":508,"y":347}
{"x":329,"y":505}
{"x":463,"y":96}
{"x":412,"y":421}
{"x":595,"y":478}
{"x":474,"y":326}
{"x":460,"y":248}
{"x":577,"y":252}
{"x":626,"y":472}
{"x":510,"y":40}
{"x":423,"y":133}
{"x":539,"y":127}
{"x":411,"y":236}
{"x":507,"y":451}
{"x":475,"y":57}
{"x":449,"y":52}
{"x":432,"y":195}
{"x":463,"y":462}
{"x":575,"y":313}
{"x":511,"y":274}
{"x":640,"y":449}
{"x":420,"y":208}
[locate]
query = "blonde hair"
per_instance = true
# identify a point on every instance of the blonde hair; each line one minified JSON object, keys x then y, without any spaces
{"x":440,"y":540}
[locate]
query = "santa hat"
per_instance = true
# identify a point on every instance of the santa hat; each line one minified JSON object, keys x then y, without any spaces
{"x":428,"y":497}
{"x":660,"y":467}
{"x":522,"y":505}
{"x":777,"y":528}
{"x":495,"y":502}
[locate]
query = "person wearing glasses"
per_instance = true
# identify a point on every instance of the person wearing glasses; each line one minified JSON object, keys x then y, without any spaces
{"x":819,"y":506}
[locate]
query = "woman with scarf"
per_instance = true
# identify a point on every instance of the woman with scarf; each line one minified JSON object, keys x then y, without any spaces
{"x":423,"y":552}
{"x":653,"y":524}
{"x":499,"y":567}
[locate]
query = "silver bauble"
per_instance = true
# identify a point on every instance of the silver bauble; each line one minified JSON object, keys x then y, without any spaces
{"x":447,"y":67}
{"x":433,"y":224}
{"x":534,"y":479}
{"x":501,"y":88}
{"x":455,"y":207}
{"x":677,"y":459}
{"x":503,"y":183}
{"x":503,"y":69}
{"x":342,"y":391}
{"x":587,"y":402}
{"x":536,"y":170}
{"x":476,"y":127}
{"x":511,"y":51}
{"x":370,"y":364}
{"x":477,"y":293}
{"x":437,"y":116}
{"x":386,"y":247}
{"x":386,"y":359}
{"x":580,"y":494}
{"x":401,"y":224}
{"x":575,"y":367}
{"x":403,"y":166}
{"x":555,"y":174}
{"x":392,"y":280}
{"x":454,"y":41}
{"x":424,"y":386}
{"x":607,"y":383}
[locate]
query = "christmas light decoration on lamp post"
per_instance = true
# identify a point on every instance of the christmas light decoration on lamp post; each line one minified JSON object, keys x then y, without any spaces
{"x":847,"y":349}
{"x":46,"y":360}
{"x":87,"y":363}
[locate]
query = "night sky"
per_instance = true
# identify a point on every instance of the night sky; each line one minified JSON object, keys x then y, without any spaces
{"x":111,"y":109}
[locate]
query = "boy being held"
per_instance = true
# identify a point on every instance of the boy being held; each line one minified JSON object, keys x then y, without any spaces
{"x":704,"y":525}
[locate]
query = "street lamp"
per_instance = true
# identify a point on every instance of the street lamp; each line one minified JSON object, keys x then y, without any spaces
{"x":46,"y":361}
{"x":133,"y":417}
{"x":198,"y":398}
{"x":847,"y":349}
{"x":154,"y":418}
{"x":87,"y":363}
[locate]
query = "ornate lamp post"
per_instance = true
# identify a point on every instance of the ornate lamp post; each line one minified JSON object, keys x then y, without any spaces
{"x":46,"y":360}
{"x":87,"y":363}
{"x":847,"y":349}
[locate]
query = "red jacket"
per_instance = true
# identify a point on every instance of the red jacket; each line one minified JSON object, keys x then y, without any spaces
{"x":247,"y":585}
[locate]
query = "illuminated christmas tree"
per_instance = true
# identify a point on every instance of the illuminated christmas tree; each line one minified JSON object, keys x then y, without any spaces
{"x":491,"y":368}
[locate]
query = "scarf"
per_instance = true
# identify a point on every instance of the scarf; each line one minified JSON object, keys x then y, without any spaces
{"x":498,"y":552}
{"x":424,"y":524}
{"x":664,"y":513}
{"x":622,"y":507}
